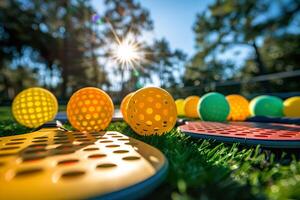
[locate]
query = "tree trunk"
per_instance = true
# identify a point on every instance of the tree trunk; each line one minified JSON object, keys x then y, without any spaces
{"x":261,"y":66}
{"x":65,"y":70}
{"x":161,"y":78}
{"x":51,"y":76}
{"x":64,"y":82}
{"x":122,"y":81}
{"x":94,"y":57}
{"x":65,"y":61}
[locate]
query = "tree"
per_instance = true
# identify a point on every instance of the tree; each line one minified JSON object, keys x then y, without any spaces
{"x":229,"y":24}
{"x":60,"y":32}
{"x":123,"y":19}
{"x":166,"y":63}
{"x":281,"y":54}
{"x":59,"y":39}
{"x":12,"y":80}
{"x":16,"y":36}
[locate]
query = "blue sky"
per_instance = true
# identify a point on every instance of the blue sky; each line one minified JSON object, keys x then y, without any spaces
{"x":173,"y":19}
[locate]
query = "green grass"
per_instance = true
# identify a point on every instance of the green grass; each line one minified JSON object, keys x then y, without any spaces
{"x":5,"y":113}
{"x":201,"y":169}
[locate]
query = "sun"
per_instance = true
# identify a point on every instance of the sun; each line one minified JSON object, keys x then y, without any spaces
{"x":127,"y":53}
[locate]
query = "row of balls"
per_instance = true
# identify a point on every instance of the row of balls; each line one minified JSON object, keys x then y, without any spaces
{"x":149,"y":110}
{"x":88,"y":109}
{"x":216,"y":107}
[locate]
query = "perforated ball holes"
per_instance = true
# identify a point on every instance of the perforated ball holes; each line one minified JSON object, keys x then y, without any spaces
{"x":90,"y":109}
{"x":239,"y":107}
{"x":190,"y":106}
{"x":124,"y":105}
{"x":151,"y":110}
{"x":34,"y":106}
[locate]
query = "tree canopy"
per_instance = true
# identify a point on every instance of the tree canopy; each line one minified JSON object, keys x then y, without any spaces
{"x":67,"y":50}
{"x":231,"y":26}
{"x":58,"y":45}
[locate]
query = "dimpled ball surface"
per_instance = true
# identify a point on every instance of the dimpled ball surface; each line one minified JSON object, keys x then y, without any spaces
{"x":180,"y":107}
{"x":34,"y":106}
{"x":213,"y":107}
{"x":266,"y":105}
{"x":151,"y":111}
{"x":292,"y":107}
{"x":90,"y":109}
{"x":190,"y":106}
{"x":124,"y":105}
{"x":239,"y":107}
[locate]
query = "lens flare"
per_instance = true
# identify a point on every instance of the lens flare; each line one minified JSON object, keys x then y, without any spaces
{"x":127,"y":53}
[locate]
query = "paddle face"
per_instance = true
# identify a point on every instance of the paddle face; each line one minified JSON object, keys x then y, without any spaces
{"x":51,"y":164}
{"x":267,"y":135}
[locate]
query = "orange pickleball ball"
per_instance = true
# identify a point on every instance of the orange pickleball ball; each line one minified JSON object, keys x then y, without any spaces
{"x":151,"y":110}
{"x":239,"y":107}
{"x":90,"y":109}
{"x":124,"y":105}
{"x":191,"y":106}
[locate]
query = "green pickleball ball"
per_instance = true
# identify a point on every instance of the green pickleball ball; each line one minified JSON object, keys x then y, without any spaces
{"x":213,"y":107}
{"x":266,"y":105}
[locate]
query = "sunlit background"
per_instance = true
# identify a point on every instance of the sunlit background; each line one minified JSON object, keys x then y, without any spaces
{"x":188,"y":47}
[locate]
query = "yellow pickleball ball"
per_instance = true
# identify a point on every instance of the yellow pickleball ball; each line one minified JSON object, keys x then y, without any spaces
{"x":90,"y":109}
{"x":124,"y":105}
{"x":34,"y":106}
{"x":191,"y":106}
{"x":180,"y":107}
{"x":292,"y":107}
{"x":239,"y":107}
{"x":151,"y":110}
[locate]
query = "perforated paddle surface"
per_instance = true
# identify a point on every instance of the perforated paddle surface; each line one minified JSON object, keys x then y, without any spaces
{"x":51,"y":164}
{"x":264,"y":134}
